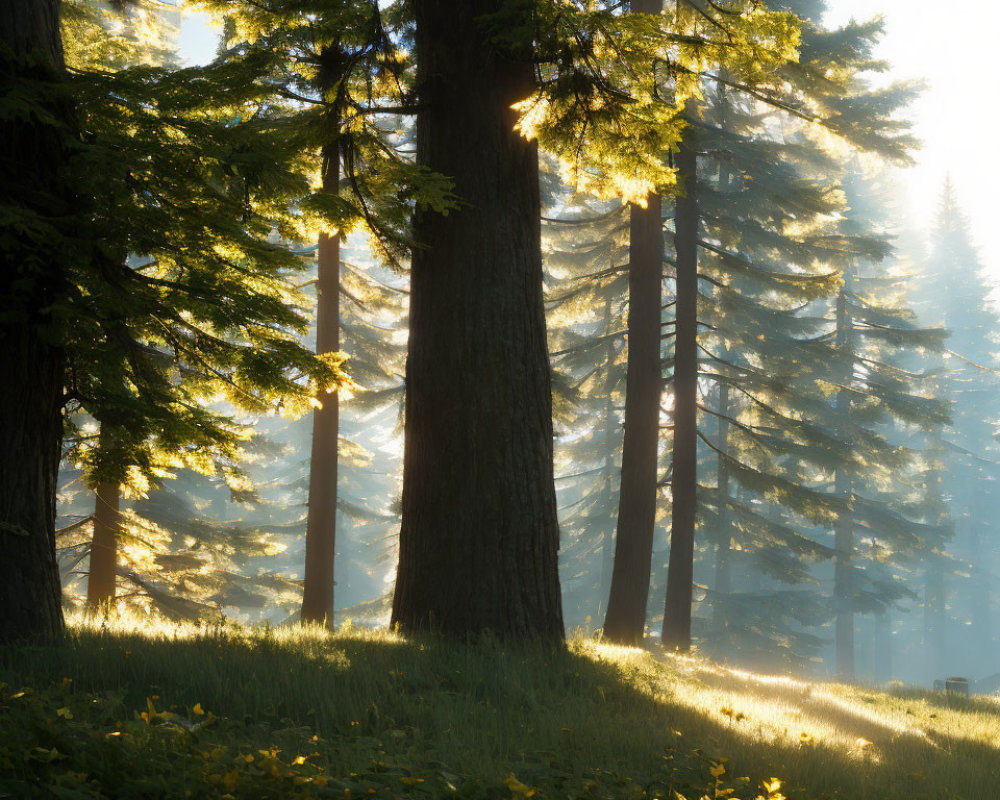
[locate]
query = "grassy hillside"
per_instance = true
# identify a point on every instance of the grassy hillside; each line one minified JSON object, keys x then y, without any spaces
{"x":182,"y":712}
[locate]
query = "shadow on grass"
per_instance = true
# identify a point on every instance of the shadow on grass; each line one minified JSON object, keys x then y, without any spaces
{"x":487,"y":710}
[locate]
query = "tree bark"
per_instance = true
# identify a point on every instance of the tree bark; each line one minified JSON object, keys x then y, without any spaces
{"x":34,"y":157}
{"x":479,"y":537}
{"x":321,"y":523}
{"x":104,"y":546}
{"x":680,"y":572}
{"x":625,"y":621}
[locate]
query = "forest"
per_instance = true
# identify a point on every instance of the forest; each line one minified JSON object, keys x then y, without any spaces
{"x":489,"y":399}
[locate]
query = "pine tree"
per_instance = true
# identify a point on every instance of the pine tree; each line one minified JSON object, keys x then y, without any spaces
{"x":954,"y":292}
{"x":145,"y":168}
{"x":625,"y":620}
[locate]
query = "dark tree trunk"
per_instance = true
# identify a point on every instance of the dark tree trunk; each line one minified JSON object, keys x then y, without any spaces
{"x":625,"y":621}
{"x":723,"y":548}
{"x":843,"y":528}
{"x":680,"y":573}
{"x":33,"y":177}
{"x":321,"y":523}
{"x":479,"y":537}
{"x":104,"y":546}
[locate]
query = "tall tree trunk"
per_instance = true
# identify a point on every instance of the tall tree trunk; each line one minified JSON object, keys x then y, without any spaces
{"x":723,"y":548}
{"x":104,"y":546}
{"x":843,"y":528}
{"x":607,"y":490}
{"x":321,"y":523}
{"x":479,"y":540}
{"x":34,"y":159}
{"x":625,"y":621}
{"x":680,"y":572}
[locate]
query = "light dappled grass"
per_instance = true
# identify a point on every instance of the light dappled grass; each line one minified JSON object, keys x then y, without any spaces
{"x":180,"y":711}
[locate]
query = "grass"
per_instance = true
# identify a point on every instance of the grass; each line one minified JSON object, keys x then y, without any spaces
{"x":186,"y":712}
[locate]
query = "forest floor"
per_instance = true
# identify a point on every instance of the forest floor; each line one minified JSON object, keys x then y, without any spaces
{"x":186,"y":712}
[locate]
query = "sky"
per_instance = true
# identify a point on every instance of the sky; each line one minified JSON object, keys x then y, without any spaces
{"x":956,"y":117}
{"x":949,"y":47}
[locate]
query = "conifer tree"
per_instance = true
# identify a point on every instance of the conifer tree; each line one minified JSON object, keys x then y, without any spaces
{"x":625,"y":620}
{"x":954,"y":292}
{"x":143,"y":167}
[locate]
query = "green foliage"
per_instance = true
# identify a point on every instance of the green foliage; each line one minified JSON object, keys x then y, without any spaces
{"x":179,"y":711}
{"x":613,"y":88}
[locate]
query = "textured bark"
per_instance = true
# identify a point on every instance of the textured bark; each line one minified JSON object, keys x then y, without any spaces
{"x":33,"y":159}
{"x":104,"y":546}
{"x":321,"y":523}
{"x":625,"y":621}
{"x":723,"y":548}
{"x":479,"y":536}
{"x":843,"y":528}
{"x":680,"y":572}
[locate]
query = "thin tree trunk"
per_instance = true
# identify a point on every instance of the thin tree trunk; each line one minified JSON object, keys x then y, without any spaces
{"x":34,"y":159}
{"x":680,"y":572}
{"x":321,"y":523}
{"x":608,"y":545}
{"x":843,"y":528}
{"x":723,"y":548}
{"x":479,"y":537}
{"x":104,"y":546}
{"x":625,"y":621}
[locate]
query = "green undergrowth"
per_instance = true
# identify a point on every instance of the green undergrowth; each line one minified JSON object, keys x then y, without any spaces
{"x":183,"y":712}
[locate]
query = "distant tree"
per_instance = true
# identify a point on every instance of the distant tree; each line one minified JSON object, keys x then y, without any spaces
{"x":953,"y":291}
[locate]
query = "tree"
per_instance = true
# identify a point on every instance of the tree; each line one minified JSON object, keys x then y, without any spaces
{"x":625,"y":621}
{"x":174,"y":292}
{"x":479,"y":535}
{"x":36,"y":150}
{"x":953,"y":292}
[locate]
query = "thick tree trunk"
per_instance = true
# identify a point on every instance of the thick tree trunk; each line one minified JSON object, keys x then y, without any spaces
{"x":479,"y":537}
{"x":33,"y":177}
{"x":104,"y":546}
{"x":723,"y":547}
{"x":625,"y":621}
{"x":680,"y":573}
{"x":321,"y":523}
